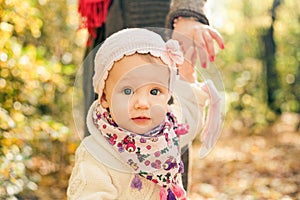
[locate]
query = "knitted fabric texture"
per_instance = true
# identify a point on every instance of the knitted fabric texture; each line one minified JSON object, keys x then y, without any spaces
{"x":128,"y":42}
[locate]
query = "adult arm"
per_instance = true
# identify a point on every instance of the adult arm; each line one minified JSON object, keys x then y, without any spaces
{"x":186,"y":8}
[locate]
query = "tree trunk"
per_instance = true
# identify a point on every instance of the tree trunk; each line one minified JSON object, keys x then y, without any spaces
{"x":269,"y":58}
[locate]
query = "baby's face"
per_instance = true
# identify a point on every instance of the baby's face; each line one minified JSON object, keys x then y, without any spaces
{"x":137,"y":92}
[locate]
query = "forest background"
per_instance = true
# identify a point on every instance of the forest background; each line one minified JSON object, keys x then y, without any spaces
{"x":257,"y":156}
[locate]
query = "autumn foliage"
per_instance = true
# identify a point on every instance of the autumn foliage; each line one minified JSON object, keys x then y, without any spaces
{"x":41,"y":50}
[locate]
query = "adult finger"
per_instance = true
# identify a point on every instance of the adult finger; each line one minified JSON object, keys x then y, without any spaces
{"x":209,"y":44}
{"x":200,"y":45}
{"x":202,"y":56}
{"x":217,"y":37}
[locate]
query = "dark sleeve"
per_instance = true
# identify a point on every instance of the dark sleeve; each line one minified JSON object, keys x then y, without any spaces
{"x":186,"y":8}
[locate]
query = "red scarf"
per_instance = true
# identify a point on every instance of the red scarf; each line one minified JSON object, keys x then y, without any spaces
{"x":93,"y":14}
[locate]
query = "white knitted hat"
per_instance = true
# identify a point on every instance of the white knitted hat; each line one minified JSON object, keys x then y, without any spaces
{"x":130,"y":41}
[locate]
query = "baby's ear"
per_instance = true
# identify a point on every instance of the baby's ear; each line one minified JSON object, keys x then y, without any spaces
{"x":103,"y":101}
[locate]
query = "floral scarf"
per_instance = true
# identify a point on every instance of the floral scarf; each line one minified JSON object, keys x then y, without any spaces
{"x":154,"y":155}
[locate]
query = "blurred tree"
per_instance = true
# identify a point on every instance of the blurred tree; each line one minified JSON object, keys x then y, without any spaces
{"x":38,"y":53}
{"x":254,"y":43}
{"x":272,"y":78}
{"x":287,"y":31}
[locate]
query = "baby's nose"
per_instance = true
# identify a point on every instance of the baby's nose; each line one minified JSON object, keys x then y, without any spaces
{"x":141,"y":102}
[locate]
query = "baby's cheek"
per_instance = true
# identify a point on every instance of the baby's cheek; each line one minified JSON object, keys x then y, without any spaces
{"x":119,"y":107}
{"x":158,"y":113}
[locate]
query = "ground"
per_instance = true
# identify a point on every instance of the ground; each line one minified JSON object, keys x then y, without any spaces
{"x":249,"y":167}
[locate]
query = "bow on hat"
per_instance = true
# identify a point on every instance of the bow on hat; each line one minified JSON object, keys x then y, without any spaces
{"x":174,"y":52}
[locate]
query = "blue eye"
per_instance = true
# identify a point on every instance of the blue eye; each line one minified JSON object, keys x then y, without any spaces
{"x":127,"y":91}
{"x":155,"y":92}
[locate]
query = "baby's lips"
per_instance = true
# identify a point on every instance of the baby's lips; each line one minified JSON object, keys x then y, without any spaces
{"x":140,"y":117}
{"x":142,"y":120}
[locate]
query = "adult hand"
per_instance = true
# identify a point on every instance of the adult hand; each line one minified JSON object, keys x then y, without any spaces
{"x":195,"y":38}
